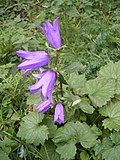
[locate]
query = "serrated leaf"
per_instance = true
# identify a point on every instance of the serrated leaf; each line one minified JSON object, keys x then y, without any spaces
{"x":48,"y":151}
{"x":32,"y":130}
{"x":3,"y":155}
{"x":100,"y":147}
{"x":107,"y":150}
{"x":100,"y":91}
{"x":48,"y":121}
{"x":85,"y":106}
{"x":6,"y":145}
{"x":111,"y":71}
{"x":112,"y":153}
{"x":78,"y":132}
{"x":112,"y":111}
{"x":66,"y":133}
{"x":67,"y":151}
{"x":76,"y":81}
{"x":85,"y":135}
{"x":115,"y":137}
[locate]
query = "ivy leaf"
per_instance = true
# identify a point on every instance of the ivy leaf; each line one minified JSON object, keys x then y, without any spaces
{"x":112,"y":111}
{"x":111,"y":71}
{"x":85,"y":106}
{"x":48,"y":151}
{"x":31,"y":129}
{"x":67,"y":151}
{"x":100,"y":91}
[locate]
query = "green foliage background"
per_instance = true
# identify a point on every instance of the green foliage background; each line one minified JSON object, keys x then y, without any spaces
{"x":90,"y":74}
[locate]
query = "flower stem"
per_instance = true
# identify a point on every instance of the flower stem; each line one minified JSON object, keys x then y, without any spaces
{"x":61,"y":90}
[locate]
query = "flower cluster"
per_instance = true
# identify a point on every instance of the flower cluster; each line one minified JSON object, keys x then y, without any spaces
{"x":47,"y":78}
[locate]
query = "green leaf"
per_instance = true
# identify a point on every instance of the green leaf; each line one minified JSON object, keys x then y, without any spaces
{"x":100,"y":147}
{"x":107,"y":150}
{"x":74,"y":67}
{"x":33,"y":99}
{"x":111,"y":71}
{"x":72,"y":133}
{"x":100,"y":91}
{"x":112,"y":153}
{"x":66,"y":133}
{"x":67,"y":151}
{"x":61,"y":78}
{"x":85,"y":106}
{"x":6,"y":144}
{"x":78,"y":132}
{"x":72,"y":12}
{"x":48,"y":121}
{"x":76,"y":81}
{"x":48,"y":151}
{"x":85,"y":135}
{"x":115,"y":137}
{"x":32,"y":130}
{"x":3,"y":155}
{"x":84,"y":156}
{"x":112,"y":111}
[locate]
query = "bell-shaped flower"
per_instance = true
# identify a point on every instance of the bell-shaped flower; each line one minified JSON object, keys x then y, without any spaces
{"x":59,"y":113}
{"x":52,"y":33}
{"x":44,"y":106}
{"x":32,"y":60}
{"x":45,"y":84}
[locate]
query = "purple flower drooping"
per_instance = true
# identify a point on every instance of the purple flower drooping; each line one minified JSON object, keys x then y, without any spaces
{"x":32,"y":60}
{"x":44,"y":106}
{"x":45,"y":84}
{"x":52,"y":33}
{"x":59,"y":113}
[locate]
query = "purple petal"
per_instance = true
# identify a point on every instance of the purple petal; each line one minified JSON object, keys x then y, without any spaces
{"x":39,"y":76}
{"x":43,"y":105}
{"x":55,"y":24}
{"x":48,"y":26}
{"x":45,"y":110}
{"x":34,"y":63}
{"x":30,"y":55}
{"x":27,"y":71}
{"x":36,"y":86}
{"x":59,"y":113}
{"x":47,"y":79}
{"x":34,"y":91}
{"x":42,"y":29}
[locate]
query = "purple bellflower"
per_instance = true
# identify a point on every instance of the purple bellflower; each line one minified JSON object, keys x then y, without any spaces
{"x":59,"y":113}
{"x":44,"y":106}
{"x":45,"y":83}
{"x":52,"y":33}
{"x":32,"y":60}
